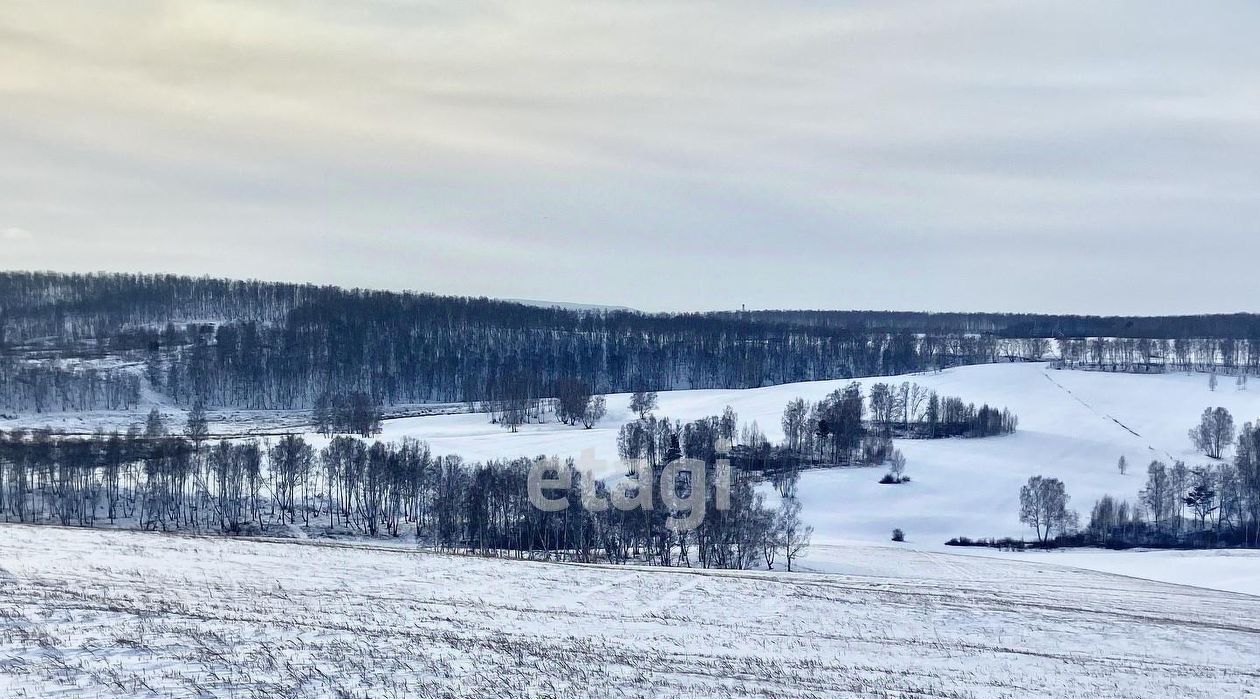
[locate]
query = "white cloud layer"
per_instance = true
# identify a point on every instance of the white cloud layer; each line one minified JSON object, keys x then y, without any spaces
{"x":983,"y":154}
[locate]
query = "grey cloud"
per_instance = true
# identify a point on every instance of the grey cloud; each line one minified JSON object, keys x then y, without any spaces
{"x":971,"y":155}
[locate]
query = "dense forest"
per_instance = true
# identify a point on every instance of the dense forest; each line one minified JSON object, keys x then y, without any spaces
{"x":1238,"y":326}
{"x":92,"y":342}
{"x":265,"y":345}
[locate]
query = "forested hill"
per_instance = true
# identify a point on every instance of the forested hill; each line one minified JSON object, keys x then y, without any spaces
{"x":78,"y":342}
{"x":1238,"y":326}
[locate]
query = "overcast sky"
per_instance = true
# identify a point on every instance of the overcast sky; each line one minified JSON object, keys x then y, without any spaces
{"x":1099,"y":157}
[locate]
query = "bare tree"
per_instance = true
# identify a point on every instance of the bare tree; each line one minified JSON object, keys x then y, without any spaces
{"x":512,"y":415}
{"x":197,"y":427}
{"x":572,"y":399}
{"x":793,"y":534}
{"x":642,"y":403}
{"x":1043,"y":506}
{"x":1158,"y":493}
{"x":1202,"y":497}
{"x":794,"y":422}
{"x":916,"y":396}
{"x":881,"y":404}
{"x":1214,"y":432}
{"x":596,"y":408}
{"x":897,"y":465}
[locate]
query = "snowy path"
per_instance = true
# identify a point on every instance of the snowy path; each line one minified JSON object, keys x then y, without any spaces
{"x":1155,"y":452}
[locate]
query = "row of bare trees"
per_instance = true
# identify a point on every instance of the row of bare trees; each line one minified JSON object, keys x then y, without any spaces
{"x":1227,"y":354}
{"x":148,"y":479}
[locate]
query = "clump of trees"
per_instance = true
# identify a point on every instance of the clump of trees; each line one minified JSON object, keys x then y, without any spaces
{"x":573,"y":400}
{"x":596,"y":408}
{"x":1214,"y":504}
{"x":845,"y":429}
{"x":1209,"y":505}
{"x":176,"y":483}
{"x":355,"y":413}
{"x":912,"y":411}
{"x":736,"y":537}
{"x":831,"y":431}
{"x":1214,"y":432}
{"x":573,"y":404}
{"x":834,"y":431}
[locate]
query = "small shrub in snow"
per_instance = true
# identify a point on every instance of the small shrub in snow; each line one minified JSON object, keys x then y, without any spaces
{"x":898,"y":535}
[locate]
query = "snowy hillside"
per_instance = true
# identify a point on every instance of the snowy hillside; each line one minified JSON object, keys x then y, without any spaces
{"x":1073,"y":425}
{"x":95,"y":613}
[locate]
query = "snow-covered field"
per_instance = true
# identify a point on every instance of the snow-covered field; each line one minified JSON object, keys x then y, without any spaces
{"x":89,"y":613}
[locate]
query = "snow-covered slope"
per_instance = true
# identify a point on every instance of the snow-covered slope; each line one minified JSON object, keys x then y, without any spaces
{"x":1073,"y":425}
{"x":94,"y":613}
